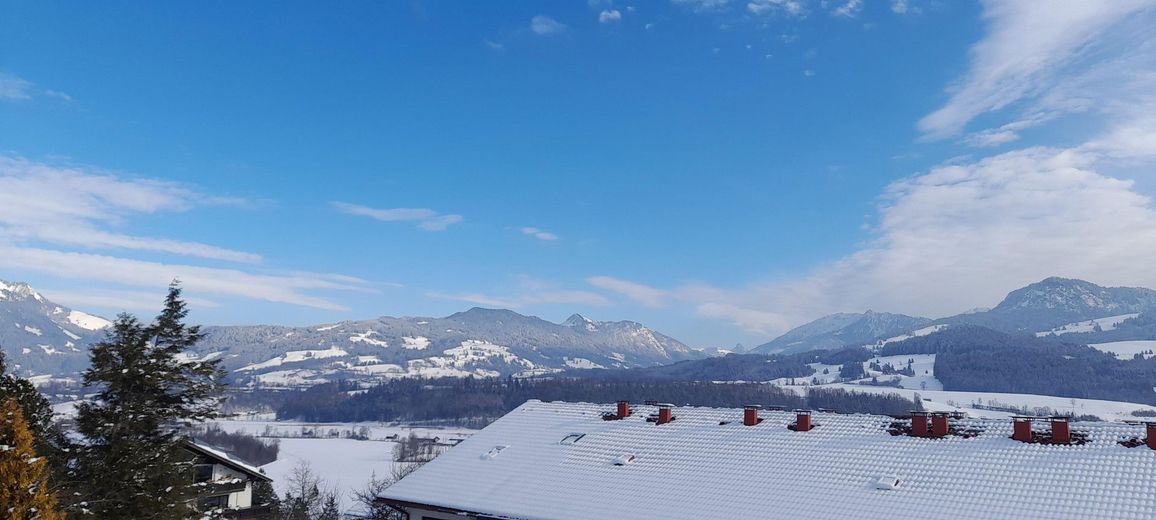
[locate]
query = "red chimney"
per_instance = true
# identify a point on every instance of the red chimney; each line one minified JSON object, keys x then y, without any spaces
{"x":1151,"y":427}
{"x":1060,"y":432}
{"x":802,"y":420}
{"x":939,"y":424}
{"x":1022,"y":428}
{"x":919,"y":424}
{"x":665,"y":413}
{"x":623,"y":409}
{"x":751,"y":415}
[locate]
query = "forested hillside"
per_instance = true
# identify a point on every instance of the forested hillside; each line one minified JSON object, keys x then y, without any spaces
{"x":478,"y":401}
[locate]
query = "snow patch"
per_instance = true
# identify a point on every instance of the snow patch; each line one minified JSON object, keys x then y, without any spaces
{"x":418,"y":343}
{"x":87,"y":321}
{"x":1109,"y":323}
{"x":295,"y":356}
{"x":33,"y":330}
{"x":328,"y":327}
{"x":1127,"y":349}
{"x":364,"y":337}
{"x":582,"y":363}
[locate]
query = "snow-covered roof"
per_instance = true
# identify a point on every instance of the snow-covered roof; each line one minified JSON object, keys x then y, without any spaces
{"x":530,"y":465}
{"x":226,"y":459}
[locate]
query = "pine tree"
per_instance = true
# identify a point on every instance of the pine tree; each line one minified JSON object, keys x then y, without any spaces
{"x":24,"y":490}
{"x":36,"y":408}
{"x":131,"y":463}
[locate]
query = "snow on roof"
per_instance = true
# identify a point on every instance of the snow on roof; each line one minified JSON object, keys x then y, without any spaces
{"x":226,"y":459}
{"x":848,"y":466}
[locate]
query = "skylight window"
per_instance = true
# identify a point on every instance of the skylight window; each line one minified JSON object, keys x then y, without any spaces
{"x":887,"y":482}
{"x":624,"y":459}
{"x":494,"y":452}
{"x":572,"y":438}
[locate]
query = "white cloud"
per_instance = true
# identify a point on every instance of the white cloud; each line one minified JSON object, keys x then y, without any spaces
{"x":539,"y":234}
{"x":849,"y":9}
{"x":609,"y":16}
{"x":14,"y":88}
{"x":138,"y":273}
{"x":640,"y":293}
{"x":425,"y":218}
{"x":46,"y":206}
{"x":544,"y":25}
{"x":899,"y":6}
{"x":1051,"y":53}
{"x":132,"y":301}
{"x":702,"y":5}
{"x":530,"y":292}
{"x":790,"y":7}
{"x":73,"y":205}
{"x":58,"y":95}
{"x":957,"y":237}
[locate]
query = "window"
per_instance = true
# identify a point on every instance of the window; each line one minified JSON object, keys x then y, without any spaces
{"x":572,"y":438}
{"x":202,"y":472}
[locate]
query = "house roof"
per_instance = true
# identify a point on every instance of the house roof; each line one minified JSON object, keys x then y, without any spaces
{"x":846,"y":467}
{"x":225,"y":459}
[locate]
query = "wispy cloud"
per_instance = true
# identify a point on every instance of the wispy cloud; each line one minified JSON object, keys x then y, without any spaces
{"x":76,"y":206}
{"x":702,"y":5}
{"x":14,"y":88}
{"x":539,"y":234}
{"x":763,"y":7}
{"x":425,"y":218}
{"x":644,"y":294}
{"x":47,"y":211}
{"x":849,"y":9}
{"x":609,"y":16}
{"x":1049,"y":53}
{"x":545,"y":26}
{"x":529,"y":292}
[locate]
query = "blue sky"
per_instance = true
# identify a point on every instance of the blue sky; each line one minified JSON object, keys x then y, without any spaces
{"x":720,"y":170}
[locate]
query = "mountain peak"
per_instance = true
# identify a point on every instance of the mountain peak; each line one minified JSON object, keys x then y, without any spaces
{"x":579,"y":321}
{"x":1077,"y":296}
{"x":15,"y":291}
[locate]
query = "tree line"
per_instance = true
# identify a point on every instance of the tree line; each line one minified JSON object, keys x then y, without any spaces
{"x":477,"y":401}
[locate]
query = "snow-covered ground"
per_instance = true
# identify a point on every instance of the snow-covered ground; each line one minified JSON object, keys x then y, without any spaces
{"x":913,"y":334}
{"x":922,"y":364}
{"x":941,"y":400}
{"x":1109,"y":323}
{"x":1127,"y":349}
{"x":346,"y":465}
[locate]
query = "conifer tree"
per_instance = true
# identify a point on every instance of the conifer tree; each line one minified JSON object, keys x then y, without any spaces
{"x":131,"y":462}
{"x":24,"y":490}
{"x":36,"y":408}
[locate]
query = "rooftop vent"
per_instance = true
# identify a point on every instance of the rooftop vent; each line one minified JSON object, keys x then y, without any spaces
{"x":623,"y":409}
{"x":665,"y":413}
{"x":624,"y":459}
{"x":802,"y":421}
{"x":939,"y":424}
{"x":1061,"y":434}
{"x":918,"y":424}
{"x":1022,"y":428}
{"x":751,"y":415}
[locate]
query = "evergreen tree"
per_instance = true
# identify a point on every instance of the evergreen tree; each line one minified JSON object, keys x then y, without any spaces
{"x":131,"y":464}
{"x":24,"y":491}
{"x":37,"y":410}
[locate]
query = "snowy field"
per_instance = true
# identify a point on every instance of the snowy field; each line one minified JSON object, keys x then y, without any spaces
{"x":1126,"y":349}
{"x":346,"y":465}
{"x":941,"y":400}
{"x":922,"y":364}
{"x":1108,"y":323}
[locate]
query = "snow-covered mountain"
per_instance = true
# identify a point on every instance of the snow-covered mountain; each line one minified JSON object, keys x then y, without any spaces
{"x":40,"y":337}
{"x":1052,"y":306}
{"x":480,"y":342}
{"x":841,"y":330}
{"x":1055,"y":302}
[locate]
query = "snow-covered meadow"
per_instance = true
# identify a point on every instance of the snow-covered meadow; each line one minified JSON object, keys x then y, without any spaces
{"x":346,"y":465}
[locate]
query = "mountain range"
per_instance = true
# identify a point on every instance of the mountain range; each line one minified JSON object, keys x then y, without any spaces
{"x":44,"y":339}
{"x":1036,"y":308}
